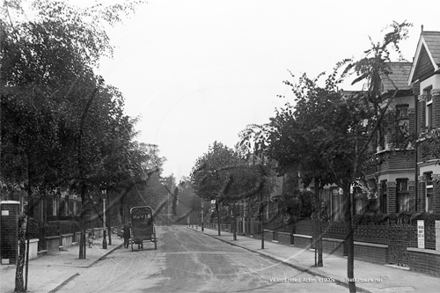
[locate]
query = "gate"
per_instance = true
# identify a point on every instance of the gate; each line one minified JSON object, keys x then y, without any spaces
{"x":399,"y":241}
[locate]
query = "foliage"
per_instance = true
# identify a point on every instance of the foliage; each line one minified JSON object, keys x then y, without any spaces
{"x":298,"y":205}
{"x":56,"y":113}
{"x":429,"y":143}
{"x":224,"y":175}
{"x":206,"y":177}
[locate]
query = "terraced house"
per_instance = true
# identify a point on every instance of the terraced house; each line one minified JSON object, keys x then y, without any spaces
{"x":425,"y":80}
{"x":407,"y":174}
{"x":394,"y":174}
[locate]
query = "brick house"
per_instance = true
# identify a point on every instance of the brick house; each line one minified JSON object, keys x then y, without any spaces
{"x":393,"y":177}
{"x":425,"y":80}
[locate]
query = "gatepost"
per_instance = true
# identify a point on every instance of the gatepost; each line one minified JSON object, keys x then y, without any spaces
{"x":9,"y":231}
{"x":437,"y":235}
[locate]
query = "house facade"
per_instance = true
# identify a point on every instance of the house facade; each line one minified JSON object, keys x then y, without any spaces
{"x":393,"y":176}
{"x":425,"y":80}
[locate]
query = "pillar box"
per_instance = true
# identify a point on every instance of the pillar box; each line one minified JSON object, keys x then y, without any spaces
{"x":9,"y":231}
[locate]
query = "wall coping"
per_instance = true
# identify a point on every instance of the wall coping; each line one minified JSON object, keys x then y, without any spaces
{"x":420,"y":250}
{"x":332,"y":239}
{"x":302,"y":236}
{"x":67,"y":235}
{"x":285,"y":233}
{"x":52,"y":237}
{"x":357,"y":243}
{"x":370,"y":244}
{"x":33,"y":240}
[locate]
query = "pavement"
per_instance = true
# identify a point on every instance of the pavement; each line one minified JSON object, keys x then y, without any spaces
{"x":48,"y":273}
{"x":369,"y":277}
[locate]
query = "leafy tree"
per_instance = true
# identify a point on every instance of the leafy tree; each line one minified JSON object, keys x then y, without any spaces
{"x":56,"y":113}
{"x":334,"y":128}
{"x":222,"y":175}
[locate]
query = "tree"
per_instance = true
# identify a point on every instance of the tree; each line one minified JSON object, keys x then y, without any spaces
{"x":224,"y":176}
{"x":207,"y":180}
{"x":46,"y":79}
{"x":335,"y":128}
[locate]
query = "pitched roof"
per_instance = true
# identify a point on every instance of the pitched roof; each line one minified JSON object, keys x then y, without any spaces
{"x":428,"y":48}
{"x":398,"y":76}
{"x":432,"y":40}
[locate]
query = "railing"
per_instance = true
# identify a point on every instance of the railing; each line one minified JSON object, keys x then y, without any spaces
{"x":41,"y":230}
{"x":378,"y":234}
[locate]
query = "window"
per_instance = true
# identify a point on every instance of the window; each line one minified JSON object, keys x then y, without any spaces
{"x":383,"y":196}
{"x":429,"y":115}
{"x":402,"y":111}
{"x":402,"y":125}
{"x":71,"y":208}
{"x":429,"y":192}
{"x":427,"y":93}
{"x":402,"y":195}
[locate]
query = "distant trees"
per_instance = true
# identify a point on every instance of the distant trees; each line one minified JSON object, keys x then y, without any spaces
{"x":223,"y":175}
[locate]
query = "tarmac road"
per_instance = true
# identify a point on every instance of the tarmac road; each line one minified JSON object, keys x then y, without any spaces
{"x":188,"y":261}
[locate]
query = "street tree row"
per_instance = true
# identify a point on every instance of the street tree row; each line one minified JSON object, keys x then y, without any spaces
{"x":324,"y":133}
{"x":62,"y":127}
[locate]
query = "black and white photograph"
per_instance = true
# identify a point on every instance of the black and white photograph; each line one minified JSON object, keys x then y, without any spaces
{"x":219,"y":146}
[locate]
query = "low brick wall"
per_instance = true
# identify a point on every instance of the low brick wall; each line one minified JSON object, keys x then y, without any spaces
{"x":285,"y":238}
{"x":303,"y":241}
{"x":371,"y":252}
{"x":269,"y":235}
{"x":424,"y":260}
{"x":333,"y":246}
{"x":99,"y":232}
{"x":52,"y":243}
{"x":66,"y":240}
{"x":77,"y":237}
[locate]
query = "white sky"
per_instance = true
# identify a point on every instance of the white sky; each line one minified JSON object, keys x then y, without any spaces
{"x":200,"y":71}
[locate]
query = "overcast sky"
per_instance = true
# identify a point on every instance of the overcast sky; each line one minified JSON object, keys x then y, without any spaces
{"x":200,"y":71}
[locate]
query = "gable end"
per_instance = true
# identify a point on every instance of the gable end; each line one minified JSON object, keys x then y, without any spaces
{"x":424,"y":67}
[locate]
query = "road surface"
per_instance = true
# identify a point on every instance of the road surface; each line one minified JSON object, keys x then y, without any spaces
{"x":190,"y":261}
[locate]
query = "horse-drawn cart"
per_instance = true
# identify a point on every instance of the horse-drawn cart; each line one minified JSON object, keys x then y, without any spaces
{"x":142,"y":227}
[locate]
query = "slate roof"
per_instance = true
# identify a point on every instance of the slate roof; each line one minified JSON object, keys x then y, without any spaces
{"x":399,"y":76}
{"x":432,"y":40}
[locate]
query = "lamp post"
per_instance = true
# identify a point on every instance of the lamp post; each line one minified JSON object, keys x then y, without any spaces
{"x":104,"y":240}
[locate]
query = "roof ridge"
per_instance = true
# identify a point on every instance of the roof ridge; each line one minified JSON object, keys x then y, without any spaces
{"x":431,"y":32}
{"x":399,"y":62}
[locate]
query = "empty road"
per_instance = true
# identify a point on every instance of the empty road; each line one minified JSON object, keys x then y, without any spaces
{"x":189,"y":261}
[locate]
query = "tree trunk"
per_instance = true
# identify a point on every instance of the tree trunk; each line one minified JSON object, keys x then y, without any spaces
{"x":234,"y":222}
{"x":108,"y":224}
{"x":349,"y":238}
{"x":318,"y":230}
{"x":262,"y":220}
{"x":218,"y":217}
{"x":19,"y":280}
{"x":82,"y":242}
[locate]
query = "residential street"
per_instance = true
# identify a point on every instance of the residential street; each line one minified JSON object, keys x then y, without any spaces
{"x":189,"y":261}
